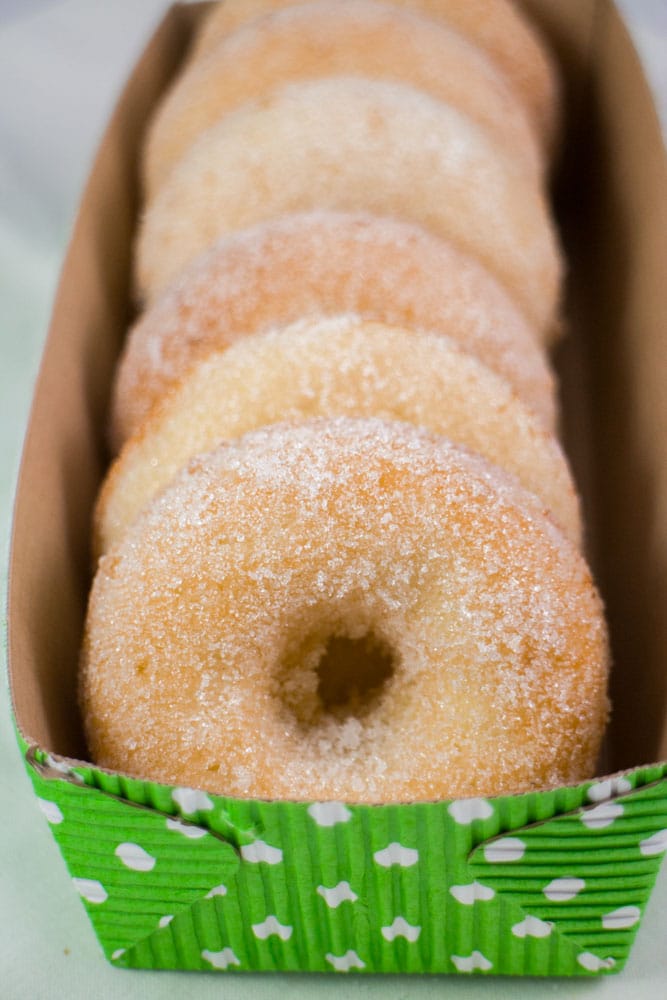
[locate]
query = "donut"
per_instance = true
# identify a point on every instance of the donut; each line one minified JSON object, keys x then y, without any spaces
{"x":361,"y":38}
{"x":396,"y":152}
{"x":219,"y":631}
{"x":325,"y":263}
{"x":336,"y":367}
{"x":496,"y":26}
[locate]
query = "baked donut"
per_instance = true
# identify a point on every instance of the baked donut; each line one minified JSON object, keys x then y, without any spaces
{"x":336,"y":367}
{"x":326,"y":263}
{"x":496,"y":26}
{"x":397,"y":152}
{"x":358,"y":38}
{"x":218,"y":630}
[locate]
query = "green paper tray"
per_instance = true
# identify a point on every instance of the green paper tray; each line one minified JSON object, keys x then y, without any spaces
{"x":543,"y":884}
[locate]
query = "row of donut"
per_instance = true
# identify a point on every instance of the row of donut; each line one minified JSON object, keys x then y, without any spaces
{"x":436,"y":117}
{"x":347,"y":261}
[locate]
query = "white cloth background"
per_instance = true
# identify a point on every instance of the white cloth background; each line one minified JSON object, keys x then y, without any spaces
{"x":61,"y":65}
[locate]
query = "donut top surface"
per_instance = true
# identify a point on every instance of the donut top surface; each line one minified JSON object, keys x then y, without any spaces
{"x":322,"y":264}
{"x":342,"y":366}
{"x":347,"y":144}
{"x":359,"y":37}
{"x":496,"y":26}
{"x":267,"y":561}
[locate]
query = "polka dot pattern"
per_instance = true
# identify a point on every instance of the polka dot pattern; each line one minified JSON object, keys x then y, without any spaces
{"x":329,"y":813}
{"x":217,"y":890}
{"x":259,"y":851}
{"x":220,"y":959}
{"x":343,"y":963}
{"x":400,"y":928}
{"x":602,"y":815}
{"x":469,"y":894}
{"x":562,"y":890}
{"x":532,"y":927}
{"x":186,"y":829}
{"x":468,"y":810}
{"x":135,"y":857}
{"x":336,"y":887}
{"x":624,"y":917}
{"x":337,"y":894}
{"x":593,"y":963}
{"x":396,"y":854}
{"x":271,"y":926}
{"x":472,"y":963}
{"x":91,"y":890}
{"x":505,"y":850}
{"x":50,"y":810}
{"x":655,"y":844}
{"x":190,"y":801}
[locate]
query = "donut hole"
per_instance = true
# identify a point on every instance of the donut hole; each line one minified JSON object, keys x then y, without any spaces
{"x":336,"y":676}
{"x":352,"y":673}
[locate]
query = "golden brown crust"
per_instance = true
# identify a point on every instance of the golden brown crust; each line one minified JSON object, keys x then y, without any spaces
{"x":309,"y":41}
{"x":397,"y":152}
{"x":325,"y":264}
{"x":496,"y":26}
{"x":336,"y":367}
{"x":208,"y":625}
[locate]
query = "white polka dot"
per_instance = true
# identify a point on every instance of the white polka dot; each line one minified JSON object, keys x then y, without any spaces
{"x":329,"y":813}
{"x":118,"y":953}
{"x":343,"y":963}
{"x":56,"y":765}
{"x":272,"y":926}
{"x":505,"y":849}
{"x":90,"y":889}
{"x":400,"y":928}
{"x":62,"y":768}
{"x":135,"y":857}
{"x":187,"y":829}
{"x":606,"y":789}
{"x":468,"y":963}
{"x":655,"y":844}
{"x":532,"y":927}
{"x":166,"y":920}
{"x":220,"y":959}
{"x":561,"y":890}
{"x":621,"y":919}
{"x":51,"y":810}
{"x":217,"y":890}
{"x":396,"y":854}
{"x":338,"y":894}
{"x":190,"y":801}
{"x":466,"y":811}
{"x":587,"y":960}
{"x":602,"y":815}
{"x":259,"y":851}
{"x":469,"y":894}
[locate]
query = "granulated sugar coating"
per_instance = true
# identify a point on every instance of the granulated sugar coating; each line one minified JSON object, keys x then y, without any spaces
{"x":336,"y":367}
{"x":358,"y":38}
{"x":215,"y":628}
{"x":496,"y":26}
{"x":322,"y":264}
{"x":350,"y":144}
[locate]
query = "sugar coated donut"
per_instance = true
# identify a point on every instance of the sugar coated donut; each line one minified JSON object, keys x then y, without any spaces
{"x":219,"y":630}
{"x":326,"y":263}
{"x":336,"y":367}
{"x":358,"y":38}
{"x":397,"y":151}
{"x":496,"y":26}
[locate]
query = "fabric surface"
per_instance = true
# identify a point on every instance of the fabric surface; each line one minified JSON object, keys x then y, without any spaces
{"x":61,"y":65}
